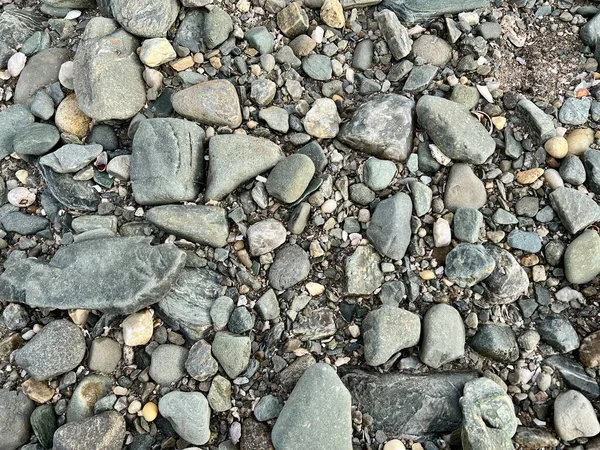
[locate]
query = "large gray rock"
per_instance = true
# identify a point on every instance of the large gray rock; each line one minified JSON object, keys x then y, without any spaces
{"x":390,"y":230}
{"x":507,"y":282}
{"x":167,"y":161}
{"x":16,"y":431}
{"x":71,"y":158}
{"x":574,"y":416}
{"x":316,"y":415}
{"x":489,"y":420}
{"x":443,"y":336}
{"x":56,"y":349}
{"x":212,"y":102}
{"x":189,"y":414}
{"x":575,"y":209}
{"x":382,"y":127}
{"x":41,"y":70}
{"x":16,"y":25}
{"x":105,"y":431}
{"x":363,"y":274}
{"x":468,"y":264}
{"x":232,"y":352}
{"x":205,"y":225}
{"x":111,"y":274}
{"x":590,"y":32}
{"x":582,"y":258}
{"x":187,"y":305}
{"x":388,"y":330}
{"x":13,"y":120}
{"x":73,"y":194}
{"x":417,"y":405}
{"x":456,"y":132}
{"x":413,"y":11}
{"x":145,"y":18}
{"x":537,"y":120}
{"x":558,"y":332}
{"x":236,"y":159}
{"x":107,"y":74}
{"x":291,"y":266}
{"x":464,"y":189}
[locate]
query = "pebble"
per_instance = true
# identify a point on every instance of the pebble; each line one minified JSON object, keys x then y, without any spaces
{"x":150,"y":412}
{"x":157,"y":51}
{"x":378,"y":174}
{"x":65,"y":75}
{"x":468,"y":264}
{"x":557,"y":147}
{"x":189,"y":414}
{"x":574,"y":416}
{"x":289,"y":178}
{"x":464,"y":189}
{"x":167,"y":365}
{"x":443,"y":337}
{"x":332,"y":14}
{"x":16,"y":64}
{"x":322,"y":120}
{"x":579,"y":140}
{"x":529,"y":176}
{"x":137,"y":328}
{"x":572,"y":170}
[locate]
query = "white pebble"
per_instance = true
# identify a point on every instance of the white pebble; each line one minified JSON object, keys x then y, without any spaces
{"x":16,"y":63}
{"x":65,"y":75}
{"x":73,"y":14}
{"x":394,"y":444}
{"x":318,"y":34}
{"x":553,"y":179}
{"x":329,"y":206}
{"x":21,"y":197}
{"x":441,"y":233}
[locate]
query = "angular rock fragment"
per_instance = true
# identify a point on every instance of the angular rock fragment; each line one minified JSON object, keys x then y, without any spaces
{"x":538,"y":121}
{"x":468,"y":264}
{"x":73,"y":194}
{"x":507,"y":282}
{"x":575,"y":209}
{"x":395,"y":34}
{"x":41,"y":70}
{"x":363,"y":274}
{"x":413,"y":11}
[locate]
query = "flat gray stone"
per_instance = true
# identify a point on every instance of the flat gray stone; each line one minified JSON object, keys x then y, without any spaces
{"x":469,"y":264}
{"x":88,"y":275}
{"x":105,"y":354}
{"x":24,"y":224}
{"x":387,"y":139}
{"x":528,"y":241}
{"x":58,"y":348}
{"x":167,"y":161}
{"x":71,"y":158}
{"x":575,"y":111}
{"x":40,"y":71}
{"x":582,"y":258}
{"x":221,"y":310}
{"x":466,"y":224}
{"x":290,"y":177}
{"x":290,"y":267}
{"x":16,"y":431}
{"x":457,"y":133}
{"x":267,"y":408}
{"x":434,"y":50}
{"x":167,"y":365}
{"x":418,"y":11}
{"x":232,"y":352}
{"x":14,"y":120}
{"x":443,"y":338}
{"x":420,"y":78}
{"x":104,"y":431}
{"x":73,"y":194}
{"x":575,"y":209}
{"x":390,"y":230}
{"x":145,"y":18}
{"x":537,"y":120}
{"x":363,"y":274}
{"x":378,"y":174}
{"x":36,"y":139}
{"x":317,"y":67}
{"x":464,"y":189}
{"x":265,"y":236}
{"x":261,"y":39}
{"x":189,"y":414}
{"x":268,"y":305}
{"x":316,"y":415}
{"x":236,"y":159}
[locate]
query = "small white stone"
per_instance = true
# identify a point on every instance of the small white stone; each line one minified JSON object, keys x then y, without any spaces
{"x":329,"y":206}
{"x":79,"y":316}
{"x":21,"y":197}
{"x":16,"y":63}
{"x":442,"y":235}
{"x":73,"y":14}
{"x":157,"y":51}
{"x":394,"y":444}
{"x":137,"y":328}
{"x":22,"y":175}
{"x":65,"y":75}
{"x":314,"y":289}
{"x":318,"y":34}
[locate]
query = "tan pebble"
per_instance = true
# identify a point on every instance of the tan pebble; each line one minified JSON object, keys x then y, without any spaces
{"x":499,"y":122}
{"x":244,"y":289}
{"x":38,"y":391}
{"x":394,"y":444}
{"x":22,"y":175}
{"x":315,"y":289}
{"x":120,"y":390}
{"x":557,"y":147}
{"x":134,"y":407}
{"x":215,"y":61}
{"x":529,"y":176}
{"x":137,"y":328}
{"x":332,"y":13}
{"x":427,"y":274}
{"x":79,"y":316}
{"x":538,"y":273}
{"x":70,"y":119}
{"x":182,"y":63}
{"x":244,"y":258}
{"x":580,"y":140}
{"x":150,"y":411}
{"x":530,"y":260}
{"x":329,"y":206}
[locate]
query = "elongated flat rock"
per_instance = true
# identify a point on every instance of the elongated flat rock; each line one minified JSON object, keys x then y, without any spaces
{"x":412,"y":11}
{"x":118,"y":275}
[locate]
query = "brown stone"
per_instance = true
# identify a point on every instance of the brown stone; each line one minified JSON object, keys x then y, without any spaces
{"x":589,"y":352}
{"x":9,"y":345}
{"x":38,"y":391}
{"x":70,"y":119}
{"x":529,"y":176}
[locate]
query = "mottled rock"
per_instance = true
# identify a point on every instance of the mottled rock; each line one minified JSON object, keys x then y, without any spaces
{"x":574,"y":375}
{"x":508,"y":281}
{"x":363,"y":274}
{"x":104,"y":431}
{"x":468,"y":264}
{"x":395,"y":34}
{"x":265,"y":236}
{"x":291,"y":266}
{"x":145,"y":18}
{"x":88,"y":391}
{"x":167,"y":365}
{"x":290,"y":177}
{"x":558,"y":332}
{"x":322,"y":120}
{"x":390,"y":229}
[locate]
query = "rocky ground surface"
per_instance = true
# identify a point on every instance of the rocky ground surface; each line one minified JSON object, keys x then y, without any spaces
{"x":260,"y":225}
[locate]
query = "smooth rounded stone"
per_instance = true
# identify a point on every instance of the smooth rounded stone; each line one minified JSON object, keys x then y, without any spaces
{"x":432,"y":49}
{"x":553,"y":179}
{"x":88,"y":391}
{"x":240,"y":321}
{"x":221,"y":311}
{"x":267,"y":408}
{"x":217,"y":26}
{"x":582,"y":258}
{"x":157,"y":51}
{"x":322,"y":120}
{"x":263,"y":91}
{"x":591,"y":161}
{"x":137,"y":328}
{"x":24,"y":224}
{"x":105,"y":354}
{"x":107,"y":73}
{"x":104,"y":431}
{"x":559,"y":333}
{"x":16,"y":431}
{"x":469,"y":264}
{"x":390,"y":230}
{"x":205,"y":225}
{"x":363,"y":275}
{"x":265,"y":236}
{"x":290,"y":177}
{"x":120,"y":167}
{"x":589,"y":351}
{"x":497,"y":342}
{"x":386,"y":139}
{"x":378,"y":174}
{"x":65,"y":75}
{"x":422,"y":196}
{"x":508,"y":281}
{"x":261,"y":39}
{"x":15,"y":316}
{"x":545,"y":215}
{"x":42,"y":105}
{"x":457,"y":133}
{"x":292,"y":20}
{"x":575,"y":111}
{"x":504,"y":217}
{"x":232,"y":352}
{"x":145,"y":18}
{"x":105,"y":136}
{"x":420,"y":78}
{"x":58,"y":348}
{"x":490,"y":30}
{"x":200,"y":364}
{"x":212,"y":102}
{"x":219,"y":394}
{"x":302,"y":45}
{"x":317,"y":414}
{"x":557,"y":147}
{"x":290,"y":267}
{"x":13,"y":121}
{"x":388,"y":330}
{"x":527,"y":206}
{"x":168,"y":364}
{"x":576,"y":210}
{"x":489,"y":416}
{"x":363,"y":55}
{"x":36,"y":139}
{"x":190,"y":34}
{"x":442,"y":235}
{"x":71,"y":158}
{"x":579,"y":140}
{"x":236,"y":159}
{"x":528,"y":241}
{"x":572,"y":170}
{"x":467,"y":96}
{"x":464,"y":189}
{"x":443,"y":338}
{"x":574,"y":416}
{"x":277,"y":118}
{"x":318,"y":67}
{"x":43,"y":423}
{"x":167,"y":162}
{"x":70,"y":119}
{"x":466,"y":224}
{"x":41,"y":70}
{"x":361,"y":194}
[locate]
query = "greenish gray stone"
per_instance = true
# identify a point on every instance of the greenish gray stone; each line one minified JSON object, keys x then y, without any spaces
{"x":42,"y":105}
{"x":392,"y":292}
{"x":512,"y":147}
{"x":490,"y":30}
{"x":528,"y":241}
{"x":363,"y":274}
{"x":14,"y":120}
{"x":105,"y":431}
{"x":572,"y":170}
{"x":200,"y":364}
{"x":268,"y":305}
{"x":190,"y":33}
{"x":105,"y":136}
{"x":466,"y":224}
{"x":363,"y":55}
{"x":58,"y":348}
{"x":497,"y":342}
{"x":390,"y":230}
{"x":40,"y":71}
{"x":267,"y":408}
{"x":388,"y":330}
{"x":503,"y":217}
{"x":232,"y":352}
{"x":378,"y":174}
{"x":38,"y":41}
{"x":537,"y":120}
{"x":527,"y":206}
{"x":260,"y":39}
{"x":361,"y":194}
{"x":24,"y":224}
{"x":465,"y":95}
{"x":317,"y":414}
{"x":16,"y":26}
{"x":88,"y":391}
{"x":277,"y":118}
{"x":43,"y":423}
{"x":400,"y":71}
{"x":464,"y":189}
{"x":468,"y":264}
{"x":443,"y":337}
{"x":582,"y":258}
{"x":167,"y":365}
{"x":145,"y":18}
{"x":575,"y":111}
{"x":16,"y":406}
{"x":432,"y":49}
{"x":318,"y":67}
{"x":71,"y":158}
{"x":217,"y":26}
{"x":290,"y":177}
{"x":219,"y":395}
{"x":558,"y":332}
{"x":575,"y":209}
{"x":507,"y":282}
{"x":395,"y":34}
{"x":221,"y":310}
{"x":591,"y":161}
{"x":82,"y":224}
{"x":420,"y":78}
{"x":290,"y":267}
{"x":105,"y":354}
{"x":422,"y":196}
{"x":240,"y":321}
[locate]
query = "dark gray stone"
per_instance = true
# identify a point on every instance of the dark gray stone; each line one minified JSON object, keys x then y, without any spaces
{"x":89,"y":275}
{"x":14,"y":120}
{"x":315,"y":152}
{"x":315,"y":324}
{"x":572,"y":170}
{"x":466,"y":224}
{"x":190,"y":33}
{"x":43,"y":423}
{"x":167,"y":161}
{"x":574,"y":375}
{"x":16,"y":25}
{"x":590,"y":32}
{"x":468,"y":264}
{"x":260,"y":39}
{"x":465,"y":95}
{"x":24,"y":224}
{"x":145,"y":18}
{"x":200,"y":364}
{"x":240,"y":321}
{"x":58,"y":348}
{"x":507,"y":282}
{"x":291,"y":266}
{"x":36,"y":139}
{"x":105,"y":431}
{"x":527,"y":206}
{"x":386,"y":139}
{"x":558,"y":332}
{"x":591,"y":161}
{"x":217,"y":26}
{"x":416,"y":405}
{"x":497,"y":342}
{"x":575,"y":209}
{"x":413,"y":11}
{"x":16,"y":406}
{"x":390,"y":229}
{"x":420,"y":78}
{"x":73,"y":194}
{"x":40,"y":71}
{"x":105,"y":136}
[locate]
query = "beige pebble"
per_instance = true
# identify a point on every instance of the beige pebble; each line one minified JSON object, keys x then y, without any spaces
{"x":529,"y":176}
{"x":182,"y":63}
{"x":20,"y":197}
{"x":427,"y":275}
{"x":329,"y":206}
{"x":79,"y":316}
{"x":70,"y":119}
{"x":150,"y":411}
{"x":120,"y":391}
{"x":156,"y":51}
{"x":557,"y":147}
{"x":580,"y":140}
{"x":332,"y":13}
{"x":134,"y":407}
{"x":394,"y":444}
{"x":38,"y":391}
{"x":22,"y":175}
{"x":499,"y":122}
{"x":153,"y":78}
{"x":314,"y":288}
{"x":137,"y":328}
{"x":553,"y":179}
{"x":65,"y":75}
